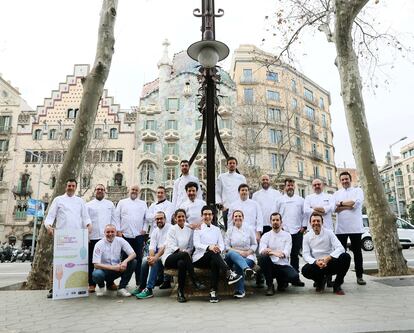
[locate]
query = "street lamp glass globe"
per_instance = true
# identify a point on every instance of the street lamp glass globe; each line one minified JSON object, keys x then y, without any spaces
{"x":208,"y":57}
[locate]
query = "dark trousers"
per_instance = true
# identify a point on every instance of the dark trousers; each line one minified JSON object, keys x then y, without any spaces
{"x":182,"y":262}
{"x":215,"y":263}
{"x":296,"y":246}
{"x":91,"y":247}
{"x":266,"y":228}
{"x":338,"y":266}
{"x":225,"y":218}
{"x":137,"y":245}
{"x":283,"y":273}
{"x":100,"y":276}
{"x":356,"y":250}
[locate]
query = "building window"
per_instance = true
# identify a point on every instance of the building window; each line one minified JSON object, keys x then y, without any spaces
{"x":98,"y":133}
{"x":321,"y":103}
{"x":327,"y":155}
{"x":147,"y":195}
{"x":171,"y":149}
{"x":310,"y":112}
{"x":1,"y":173}
{"x":247,"y":75}
{"x":37,"y":134}
{"x":149,"y":147}
{"x":298,"y":143}
{"x":248,"y":95}
{"x":324,"y":123}
{"x":225,"y":123}
{"x":119,"y":156}
{"x":314,"y":148}
{"x":308,"y":94}
{"x":300,"y":169}
{"x":4,"y":145}
{"x":274,"y":114}
{"x":113,"y":133}
{"x":316,"y":171}
{"x":52,"y":134}
{"x":276,"y":161}
{"x":198,"y":123}
{"x":72,"y":113}
{"x":147,"y":174}
{"x":275,"y":136}
{"x":329,"y":176}
{"x":293,"y":85}
{"x":5,"y":122}
{"x":150,"y":124}
{"x":201,"y":173}
{"x":272,"y":76}
{"x":68,"y":134}
{"x":170,"y":173}
{"x":294,"y":103}
{"x":273,"y":95}
{"x":118,"y":179}
{"x":53,"y":182}
{"x":297,"y":123}
{"x":111,"y":156}
{"x":171,"y":124}
{"x":173,"y":104}
{"x":86,"y":182}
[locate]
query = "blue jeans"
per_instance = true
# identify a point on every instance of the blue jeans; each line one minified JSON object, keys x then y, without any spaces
{"x":149,"y":274}
{"x":100,"y":276}
{"x":239,"y":264}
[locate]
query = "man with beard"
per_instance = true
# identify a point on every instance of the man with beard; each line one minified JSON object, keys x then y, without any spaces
{"x":179,"y":193}
{"x":275,"y":247}
{"x":131,"y":224}
{"x":152,"y":264}
{"x":290,"y":207}
{"x":193,"y":205}
{"x":102,"y":212}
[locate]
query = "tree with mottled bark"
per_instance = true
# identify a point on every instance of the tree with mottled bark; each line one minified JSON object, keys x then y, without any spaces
{"x":357,"y":40}
{"x":93,"y":86}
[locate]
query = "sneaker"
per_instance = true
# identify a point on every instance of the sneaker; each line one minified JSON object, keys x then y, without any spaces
{"x":298,"y":283}
{"x":239,"y":294}
{"x":233,"y":277}
{"x":270,"y":290}
{"x":146,"y":293}
{"x":49,"y":294}
{"x":338,"y":291}
{"x":165,"y":285}
{"x":91,"y":289}
{"x":213,"y":297}
{"x":282,"y":286}
{"x":199,"y":285}
{"x":136,"y":291}
{"x":112,"y":287}
{"x":361,"y":281}
{"x":123,"y":292}
{"x":99,"y":292}
{"x":249,"y":273}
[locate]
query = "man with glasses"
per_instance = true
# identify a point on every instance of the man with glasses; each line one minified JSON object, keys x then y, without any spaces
{"x":101,"y":212}
{"x":161,"y":205}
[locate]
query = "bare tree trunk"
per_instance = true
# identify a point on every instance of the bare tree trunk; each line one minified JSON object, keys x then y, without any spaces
{"x":93,"y":86}
{"x":382,"y":220}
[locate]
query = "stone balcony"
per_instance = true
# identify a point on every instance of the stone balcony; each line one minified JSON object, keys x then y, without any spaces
{"x":149,"y":135}
{"x":171,"y":135}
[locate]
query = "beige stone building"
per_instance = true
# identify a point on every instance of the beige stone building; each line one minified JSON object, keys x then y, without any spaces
{"x":283,"y":121}
{"x":40,"y":141}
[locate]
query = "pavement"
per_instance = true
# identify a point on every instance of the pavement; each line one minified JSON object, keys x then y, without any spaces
{"x":383,"y":305}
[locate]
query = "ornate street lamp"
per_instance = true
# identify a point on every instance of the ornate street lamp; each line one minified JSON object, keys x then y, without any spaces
{"x":208,"y":52}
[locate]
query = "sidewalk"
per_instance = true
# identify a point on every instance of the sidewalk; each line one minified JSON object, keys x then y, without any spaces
{"x":376,"y":307}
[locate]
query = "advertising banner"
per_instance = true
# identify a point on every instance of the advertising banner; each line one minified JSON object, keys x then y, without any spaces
{"x":70,"y":264}
{"x":35,"y":208}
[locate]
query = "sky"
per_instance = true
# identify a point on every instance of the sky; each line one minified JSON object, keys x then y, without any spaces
{"x":40,"y":41}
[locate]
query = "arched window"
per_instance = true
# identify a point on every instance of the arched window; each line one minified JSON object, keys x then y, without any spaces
{"x":68,"y":134}
{"x":52,"y":134}
{"x":119,"y":156}
{"x":118,"y":179}
{"x":147,"y":173}
{"x":147,"y":196}
{"x":104,"y":156}
{"x":98,"y":133}
{"x":111,"y":156}
{"x":113,"y":133}
{"x":37,"y":134}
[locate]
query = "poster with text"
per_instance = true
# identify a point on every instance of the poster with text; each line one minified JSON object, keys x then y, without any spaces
{"x":70,"y":264}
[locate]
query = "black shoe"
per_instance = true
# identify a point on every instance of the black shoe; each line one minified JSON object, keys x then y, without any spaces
{"x":320,"y":286}
{"x":361,"y":281}
{"x":233,"y":277}
{"x":49,"y":293}
{"x":298,"y":283}
{"x":199,"y":286}
{"x":282,"y":287}
{"x":329,"y":284}
{"x":249,"y":273}
{"x":165,"y":285}
{"x":270,"y":290}
{"x":180,"y":297}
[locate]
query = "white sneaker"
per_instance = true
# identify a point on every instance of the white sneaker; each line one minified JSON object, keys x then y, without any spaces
{"x":99,"y":292}
{"x":123,"y":292}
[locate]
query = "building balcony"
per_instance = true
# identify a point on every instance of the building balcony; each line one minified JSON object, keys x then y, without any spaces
{"x":225,"y":110}
{"x":316,"y":156}
{"x":314,"y":135}
{"x":149,"y":109}
{"x":149,"y":135}
{"x":171,"y":159}
{"x":197,"y":134}
{"x":300,"y":174}
{"x":20,"y":215}
{"x":5,"y":130}
{"x":226,"y":133}
{"x":247,"y":80}
{"x":117,"y":188}
{"x":200,"y":159}
{"x":22,"y":191}
{"x":171,"y":135}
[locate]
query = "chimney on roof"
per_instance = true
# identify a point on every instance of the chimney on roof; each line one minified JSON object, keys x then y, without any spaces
{"x":165,"y":64}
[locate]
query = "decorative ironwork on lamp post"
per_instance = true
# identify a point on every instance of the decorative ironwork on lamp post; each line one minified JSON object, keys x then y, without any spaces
{"x":208,"y":52}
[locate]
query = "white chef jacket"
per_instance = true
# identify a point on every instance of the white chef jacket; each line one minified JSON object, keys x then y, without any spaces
{"x":252,"y":212}
{"x":227,"y":185}
{"x":193,"y":210}
{"x":241,"y":239}
{"x":277,"y":241}
{"x":131,"y":217}
{"x":324,"y":200}
{"x":322,"y":245}
{"x":101,"y":212}
{"x":291,"y":209}
{"x":178,"y":239}
{"x":349,"y":221}
{"x":205,"y":237}
{"x":69,"y":212}
{"x":267,"y":202}
{"x":164,"y":206}
{"x":109,"y":253}
{"x":159,"y":237}
{"x":179,"y":194}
